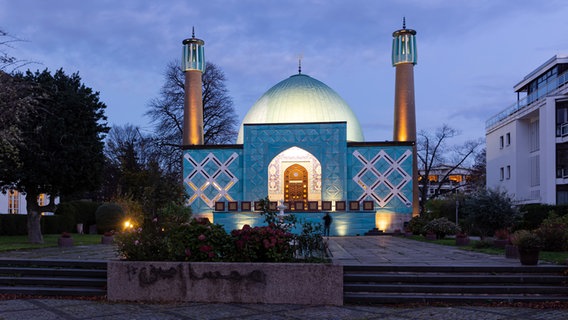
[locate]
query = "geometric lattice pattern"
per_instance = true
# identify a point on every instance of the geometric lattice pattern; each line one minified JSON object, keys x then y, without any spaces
{"x":382,"y":177}
{"x":210,"y":178}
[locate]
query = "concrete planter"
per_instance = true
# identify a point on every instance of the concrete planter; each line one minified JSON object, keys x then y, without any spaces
{"x":65,"y":242}
{"x":107,"y":239}
{"x":278,"y":283}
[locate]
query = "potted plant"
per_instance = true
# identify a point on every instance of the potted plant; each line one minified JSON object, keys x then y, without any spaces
{"x":462,"y":239}
{"x":440,"y":228}
{"x":529,"y":245}
{"x":500,"y":238}
{"x":108,"y":237}
{"x":65,"y":240}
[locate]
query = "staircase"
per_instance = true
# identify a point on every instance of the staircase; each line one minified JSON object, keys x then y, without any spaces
{"x":454,"y":284}
{"x":53,"y":277}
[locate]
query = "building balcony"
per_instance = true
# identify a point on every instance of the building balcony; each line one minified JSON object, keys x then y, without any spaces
{"x":551,"y":88}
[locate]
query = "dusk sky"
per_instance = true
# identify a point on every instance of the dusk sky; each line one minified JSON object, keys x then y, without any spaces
{"x":470,"y":52}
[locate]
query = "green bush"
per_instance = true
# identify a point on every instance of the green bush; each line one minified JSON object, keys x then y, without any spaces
{"x":13,"y":224}
{"x":85,"y":212}
{"x":441,"y":227}
{"x":488,"y":210}
{"x":109,"y":217}
{"x":416,"y":225}
{"x":534,"y":214}
{"x":483,"y":244}
{"x":263,"y":244}
{"x":198,"y":240}
{"x":52,"y":225}
{"x":310,"y":244}
{"x":525,"y":239}
{"x":554,"y":233}
{"x":66,"y":212}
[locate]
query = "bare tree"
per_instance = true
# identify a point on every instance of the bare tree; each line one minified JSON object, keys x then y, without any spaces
{"x":166,"y":112}
{"x":8,"y":61}
{"x":433,"y":152}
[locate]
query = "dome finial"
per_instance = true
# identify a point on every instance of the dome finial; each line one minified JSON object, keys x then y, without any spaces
{"x":404,"y":22}
{"x":300,"y":63}
{"x":193,"y":32}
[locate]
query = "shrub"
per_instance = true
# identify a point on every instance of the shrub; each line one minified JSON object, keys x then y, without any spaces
{"x":13,"y":224}
{"x":67,"y":212}
{"x":310,"y":245}
{"x":501,"y":234}
{"x":525,"y":239}
{"x":198,"y":240}
{"x":488,"y":210}
{"x":263,"y":244}
{"x":554,"y":233}
{"x":482,"y":244}
{"x":416,"y":225}
{"x":441,"y":227}
{"x":145,"y":243}
{"x":110,"y":216}
{"x":85,"y":212}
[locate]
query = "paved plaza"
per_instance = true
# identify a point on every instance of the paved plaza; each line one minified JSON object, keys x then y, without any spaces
{"x":345,"y":251}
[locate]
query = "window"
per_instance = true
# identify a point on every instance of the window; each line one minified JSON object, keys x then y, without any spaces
{"x":535,"y":171}
{"x":533,"y":136}
{"x":501,"y":143}
{"x":508,"y":172}
{"x":13,"y":202}
{"x":502,"y":173}
{"x":508,"y":139}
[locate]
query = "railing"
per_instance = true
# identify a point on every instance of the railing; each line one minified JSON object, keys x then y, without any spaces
{"x":551,"y":87}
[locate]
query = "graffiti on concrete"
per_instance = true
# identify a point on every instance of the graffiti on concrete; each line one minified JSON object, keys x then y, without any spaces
{"x":151,"y":274}
{"x":233,"y":276}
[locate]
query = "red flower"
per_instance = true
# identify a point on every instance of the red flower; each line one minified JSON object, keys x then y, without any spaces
{"x":205,"y":248}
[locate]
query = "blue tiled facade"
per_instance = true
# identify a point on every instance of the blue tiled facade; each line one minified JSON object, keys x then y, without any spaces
{"x":378,"y":172}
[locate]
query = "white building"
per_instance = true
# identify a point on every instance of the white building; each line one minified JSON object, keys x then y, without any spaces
{"x":527,"y":143}
{"x":14,"y":202}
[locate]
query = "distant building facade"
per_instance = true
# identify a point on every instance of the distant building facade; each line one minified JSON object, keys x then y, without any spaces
{"x":14,"y":202}
{"x":442,"y":183}
{"x":527,"y":143}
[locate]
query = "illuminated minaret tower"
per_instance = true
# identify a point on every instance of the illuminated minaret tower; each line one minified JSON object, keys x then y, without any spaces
{"x":193,"y":65}
{"x":404,"y":59}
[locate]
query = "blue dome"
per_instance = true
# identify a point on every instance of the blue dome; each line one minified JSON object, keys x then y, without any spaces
{"x":301,"y":99}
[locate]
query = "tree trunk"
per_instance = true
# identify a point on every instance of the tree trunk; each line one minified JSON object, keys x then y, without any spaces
{"x":34,"y":216}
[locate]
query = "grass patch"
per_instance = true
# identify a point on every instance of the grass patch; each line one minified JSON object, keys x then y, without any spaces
{"x":8,"y":243}
{"x":549,"y":256}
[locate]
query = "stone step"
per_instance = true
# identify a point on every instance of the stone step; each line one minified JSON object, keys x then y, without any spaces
{"x":366,"y":298}
{"x":53,"y":277}
{"x":454,"y":278}
{"x":447,"y":289}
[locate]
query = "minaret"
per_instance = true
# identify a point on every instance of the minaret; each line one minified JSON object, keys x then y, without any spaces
{"x":193,"y":65}
{"x":404,"y":59}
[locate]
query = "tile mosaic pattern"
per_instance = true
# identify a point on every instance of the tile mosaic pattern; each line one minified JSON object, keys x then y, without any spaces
{"x":212,"y":175}
{"x":383,"y":175}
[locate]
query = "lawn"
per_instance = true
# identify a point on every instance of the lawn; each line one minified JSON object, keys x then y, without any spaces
{"x":554,"y":257}
{"x":49,"y":240}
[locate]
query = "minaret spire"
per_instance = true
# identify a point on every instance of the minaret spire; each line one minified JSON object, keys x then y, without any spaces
{"x":193,"y":66}
{"x":403,"y":59}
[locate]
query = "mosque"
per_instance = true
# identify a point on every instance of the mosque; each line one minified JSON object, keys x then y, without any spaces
{"x":302,"y":146}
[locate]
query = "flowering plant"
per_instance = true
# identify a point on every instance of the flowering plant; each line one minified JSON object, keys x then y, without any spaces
{"x":441,"y":227}
{"x":525,"y":239}
{"x":501,"y":234}
{"x":263,"y":244}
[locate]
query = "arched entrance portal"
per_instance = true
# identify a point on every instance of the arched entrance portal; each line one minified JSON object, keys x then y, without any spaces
{"x":281,"y":170}
{"x":296,"y":184}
